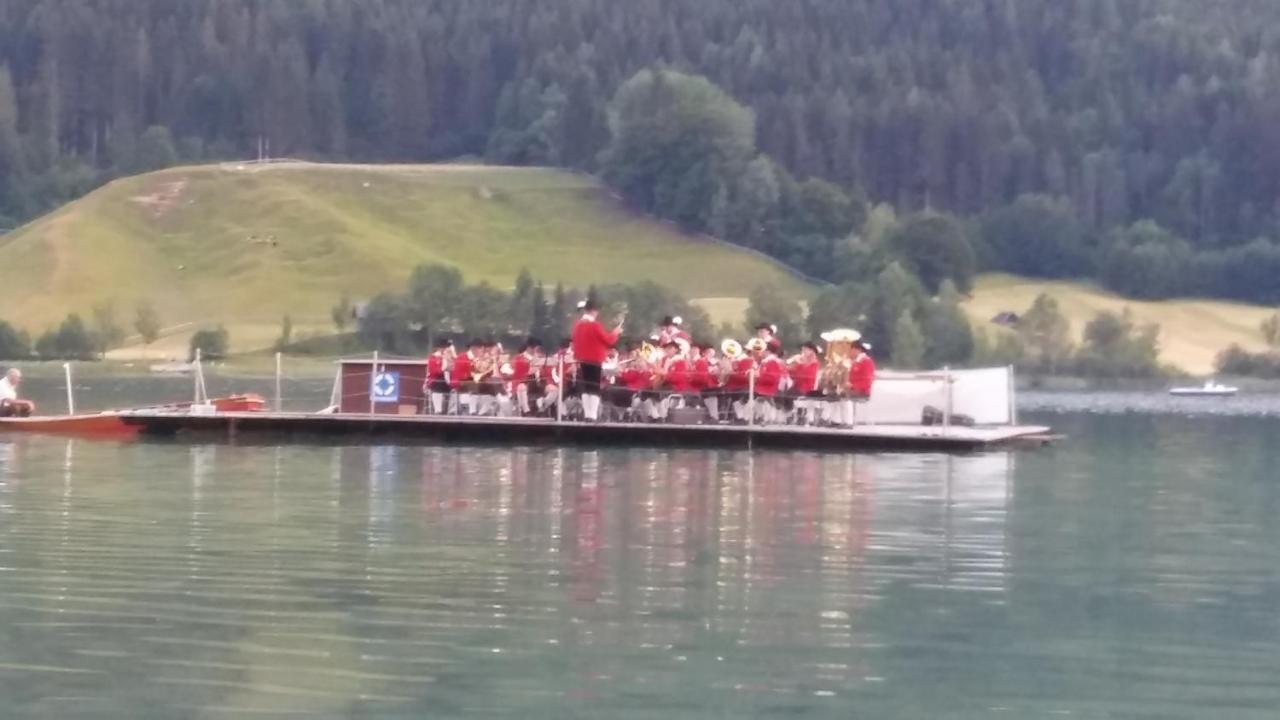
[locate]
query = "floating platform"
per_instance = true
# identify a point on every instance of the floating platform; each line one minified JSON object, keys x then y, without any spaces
{"x":283,"y":426}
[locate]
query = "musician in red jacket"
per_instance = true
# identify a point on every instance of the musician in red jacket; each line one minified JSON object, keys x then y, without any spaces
{"x":437,"y":385}
{"x":804,"y":393}
{"x":525,"y":385}
{"x":591,"y":343}
{"x":862,"y":375}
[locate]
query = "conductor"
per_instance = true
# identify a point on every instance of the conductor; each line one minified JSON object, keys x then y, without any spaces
{"x":591,"y":344}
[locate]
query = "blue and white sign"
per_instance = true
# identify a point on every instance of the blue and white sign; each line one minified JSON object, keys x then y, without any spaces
{"x":385,"y":387}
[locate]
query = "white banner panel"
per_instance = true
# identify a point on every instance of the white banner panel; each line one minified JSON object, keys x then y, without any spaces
{"x":901,"y":398}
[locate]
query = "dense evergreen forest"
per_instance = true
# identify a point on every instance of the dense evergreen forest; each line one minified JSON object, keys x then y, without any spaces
{"x":1134,"y":140}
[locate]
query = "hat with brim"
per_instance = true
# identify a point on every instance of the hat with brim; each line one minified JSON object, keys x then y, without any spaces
{"x":841,"y":335}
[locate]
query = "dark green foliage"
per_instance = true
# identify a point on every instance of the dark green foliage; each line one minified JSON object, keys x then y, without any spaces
{"x":211,"y":342}
{"x":71,"y":341}
{"x":1045,"y":335}
{"x":1143,"y":109}
{"x":14,"y":344}
{"x":146,"y":322}
{"x":948,"y":335}
{"x":766,"y":304}
{"x":935,"y":248}
{"x":647,"y":303}
{"x":1037,"y":235}
{"x":1115,"y":347}
{"x":1235,"y":360}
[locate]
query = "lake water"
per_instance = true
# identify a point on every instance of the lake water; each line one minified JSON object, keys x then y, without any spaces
{"x":1132,"y":571}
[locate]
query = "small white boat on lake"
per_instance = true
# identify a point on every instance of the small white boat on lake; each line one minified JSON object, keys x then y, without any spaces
{"x":1211,"y":388}
{"x":173,"y":368}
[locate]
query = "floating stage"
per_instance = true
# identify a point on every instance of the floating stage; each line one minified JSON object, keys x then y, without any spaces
{"x":277,"y":426}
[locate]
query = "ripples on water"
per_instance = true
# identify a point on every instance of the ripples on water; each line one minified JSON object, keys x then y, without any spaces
{"x":1129,"y":573}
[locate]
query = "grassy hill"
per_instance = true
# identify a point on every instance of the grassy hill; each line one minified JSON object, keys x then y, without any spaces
{"x":245,"y":244}
{"x":1192,"y":332}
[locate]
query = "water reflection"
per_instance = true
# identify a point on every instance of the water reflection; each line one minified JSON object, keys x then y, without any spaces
{"x":214,"y":581}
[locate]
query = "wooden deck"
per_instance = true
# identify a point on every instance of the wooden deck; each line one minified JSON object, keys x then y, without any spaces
{"x":278,"y":426}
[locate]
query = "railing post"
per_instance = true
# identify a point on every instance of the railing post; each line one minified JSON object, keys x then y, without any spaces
{"x":560,"y":391}
{"x":1013,"y":401}
{"x":278,"y":370}
{"x":71,"y":398}
{"x":751,"y":397}
{"x":373,"y":372}
{"x":946,"y":416}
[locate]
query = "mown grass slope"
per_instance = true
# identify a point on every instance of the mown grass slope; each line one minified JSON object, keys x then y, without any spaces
{"x":245,"y":244}
{"x":1192,"y":332}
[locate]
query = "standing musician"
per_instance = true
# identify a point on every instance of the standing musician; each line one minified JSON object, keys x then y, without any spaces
{"x":671,"y":330}
{"x":770,"y":372}
{"x":591,"y":345}
{"x":769,"y":334}
{"x":437,"y":385}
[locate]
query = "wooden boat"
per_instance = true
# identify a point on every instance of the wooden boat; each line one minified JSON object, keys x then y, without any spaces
{"x":112,"y":423}
{"x":1210,"y":388}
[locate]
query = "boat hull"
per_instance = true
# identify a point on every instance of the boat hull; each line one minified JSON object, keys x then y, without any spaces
{"x":113,"y":423}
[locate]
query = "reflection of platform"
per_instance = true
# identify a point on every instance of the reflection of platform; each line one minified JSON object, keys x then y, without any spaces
{"x":537,"y":431}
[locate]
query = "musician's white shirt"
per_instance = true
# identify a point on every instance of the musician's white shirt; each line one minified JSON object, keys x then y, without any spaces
{"x":7,"y":391}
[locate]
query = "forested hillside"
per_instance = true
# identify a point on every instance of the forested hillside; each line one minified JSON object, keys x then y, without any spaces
{"x":1097,"y":113}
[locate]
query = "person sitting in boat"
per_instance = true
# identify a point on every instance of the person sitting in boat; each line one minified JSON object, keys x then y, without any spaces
{"x":10,"y":404}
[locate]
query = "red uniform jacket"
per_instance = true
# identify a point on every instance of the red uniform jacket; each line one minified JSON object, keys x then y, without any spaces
{"x":862,"y":375}
{"x":703,"y":379}
{"x":771,"y":372}
{"x":678,"y":377}
{"x":804,"y":377}
{"x":520,"y":370}
{"x":739,"y":376}
{"x":636,"y":379}
{"x":550,"y":368}
{"x":435,"y":367}
{"x":461,"y":370}
{"x":591,"y":343}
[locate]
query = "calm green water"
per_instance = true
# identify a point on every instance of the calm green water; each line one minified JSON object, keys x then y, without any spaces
{"x":1132,"y":572}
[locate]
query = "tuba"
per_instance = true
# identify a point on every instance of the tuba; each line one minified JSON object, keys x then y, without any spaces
{"x":731,"y":349}
{"x":833,"y":379}
{"x":483,"y":366}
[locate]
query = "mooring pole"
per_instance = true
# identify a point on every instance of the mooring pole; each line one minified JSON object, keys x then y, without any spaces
{"x":279,"y":361}
{"x":71,"y":396}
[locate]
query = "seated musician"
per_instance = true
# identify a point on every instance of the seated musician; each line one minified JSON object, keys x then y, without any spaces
{"x":437,"y":386}
{"x":738,"y":382}
{"x":803,"y":394}
{"x":863,"y":373}
{"x":704,"y":380}
{"x":634,"y":376}
{"x":469,"y":371}
{"x":677,"y":376}
{"x":10,"y":404}
{"x":526,"y":386}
